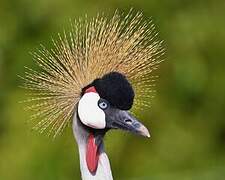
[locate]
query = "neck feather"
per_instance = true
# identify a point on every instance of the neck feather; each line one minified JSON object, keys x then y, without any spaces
{"x":103,"y":171}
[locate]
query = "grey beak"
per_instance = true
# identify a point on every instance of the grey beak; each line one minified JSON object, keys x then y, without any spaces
{"x":118,"y":119}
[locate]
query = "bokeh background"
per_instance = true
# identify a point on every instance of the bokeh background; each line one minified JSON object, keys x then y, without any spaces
{"x":187,"y":119}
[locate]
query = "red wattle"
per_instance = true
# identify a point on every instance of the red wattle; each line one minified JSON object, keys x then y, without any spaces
{"x":92,"y":155}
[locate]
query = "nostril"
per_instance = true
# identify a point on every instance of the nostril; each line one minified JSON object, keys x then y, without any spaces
{"x":128,"y":121}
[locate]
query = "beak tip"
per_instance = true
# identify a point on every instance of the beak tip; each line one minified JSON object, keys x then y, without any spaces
{"x":144,"y":132}
{"x":147,"y":135}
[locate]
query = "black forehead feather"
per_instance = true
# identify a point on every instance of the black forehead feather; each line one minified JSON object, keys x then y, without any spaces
{"x":115,"y":88}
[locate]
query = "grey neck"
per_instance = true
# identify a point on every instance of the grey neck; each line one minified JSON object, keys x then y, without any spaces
{"x":103,"y":171}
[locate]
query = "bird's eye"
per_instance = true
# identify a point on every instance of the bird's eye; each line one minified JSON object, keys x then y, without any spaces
{"x":103,"y":104}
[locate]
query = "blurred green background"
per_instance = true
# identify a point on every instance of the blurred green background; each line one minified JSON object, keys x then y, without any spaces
{"x":187,"y":119}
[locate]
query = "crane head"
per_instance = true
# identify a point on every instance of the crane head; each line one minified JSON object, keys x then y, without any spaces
{"x":105,"y":103}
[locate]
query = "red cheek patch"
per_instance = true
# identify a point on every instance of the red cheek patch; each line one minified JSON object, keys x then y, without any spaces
{"x":92,"y":154}
{"x":91,"y":89}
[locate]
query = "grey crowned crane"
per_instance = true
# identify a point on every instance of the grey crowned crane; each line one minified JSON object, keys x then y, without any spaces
{"x":92,"y":76}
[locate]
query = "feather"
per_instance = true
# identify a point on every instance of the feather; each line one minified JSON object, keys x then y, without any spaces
{"x":125,"y":44}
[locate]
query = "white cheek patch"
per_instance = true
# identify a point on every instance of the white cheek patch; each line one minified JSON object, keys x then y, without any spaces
{"x":89,"y":112}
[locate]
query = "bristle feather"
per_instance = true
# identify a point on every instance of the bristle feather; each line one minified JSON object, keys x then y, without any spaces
{"x":90,"y":50}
